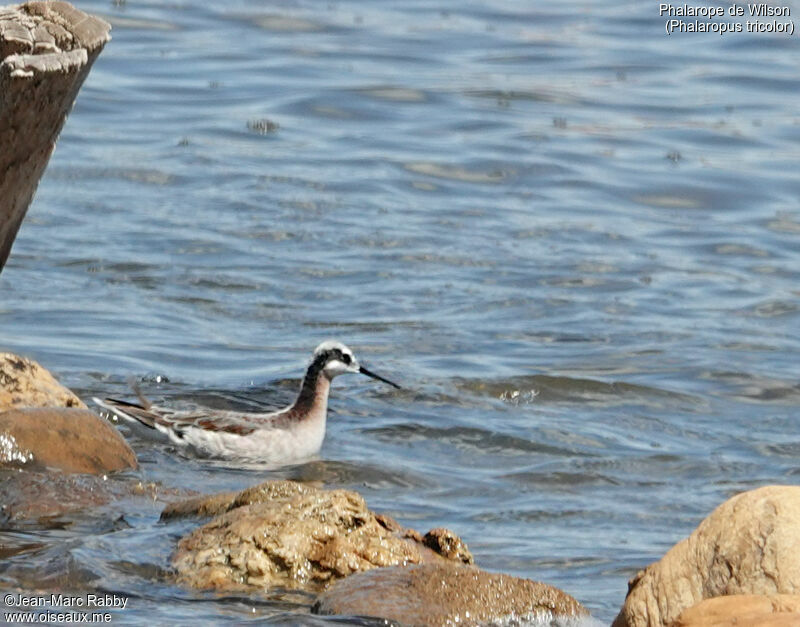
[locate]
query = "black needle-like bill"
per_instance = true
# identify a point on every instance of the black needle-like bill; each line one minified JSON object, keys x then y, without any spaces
{"x":363,"y":370}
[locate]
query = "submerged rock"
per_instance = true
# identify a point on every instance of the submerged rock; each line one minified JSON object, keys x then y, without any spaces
{"x":24,"y":383}
{"x":743,"y":610}
{"x":39,"y":496}
{"x":297,"y":536}
{"x":443,"y":594}
{"x":36,"y":495}
{"x":748,"y":545}
{"x":70,"y":440}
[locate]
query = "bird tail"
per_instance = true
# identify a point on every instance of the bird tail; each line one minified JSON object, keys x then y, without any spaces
{"x":130,"y":411}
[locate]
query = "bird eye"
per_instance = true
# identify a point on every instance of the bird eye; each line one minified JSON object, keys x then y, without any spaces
{"x":346,"y":359}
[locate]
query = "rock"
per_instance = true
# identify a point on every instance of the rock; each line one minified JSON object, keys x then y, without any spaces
{"x":70,"y":440}
{"x":24,"y":383}
{"x":31,"y":495}
{"x":212,"y":505}
{"x":201,"y":506}
{"x":443,"y":594}
{"x":43,"y":424}
{"x":28,"y":496}
{"x":46,"y":51}
{"x":743,"y":610}
{"x":447,"y":544}
{"x":748,"y":545}
{"x":297,"y":536}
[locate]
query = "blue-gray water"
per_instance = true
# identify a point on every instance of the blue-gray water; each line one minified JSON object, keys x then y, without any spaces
{"x":574,"y":240}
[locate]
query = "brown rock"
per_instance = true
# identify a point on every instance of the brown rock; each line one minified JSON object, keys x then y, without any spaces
{"x":46,"y":51}
{"x":743,"y":610}
{"x":37,"y":495}
{"x":41,"y":496}
{"x":24,"y":383}
{"x":447,"y":544}
{"x":748,"y":545}
{"x":200,"y":506}
{"x":443,"y":594}
{"x":212,"y":505}
{"x":70,"y":440}
{"x":295,"y":536}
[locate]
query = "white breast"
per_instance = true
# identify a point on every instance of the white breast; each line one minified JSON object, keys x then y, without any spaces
{"x":299,"y":441}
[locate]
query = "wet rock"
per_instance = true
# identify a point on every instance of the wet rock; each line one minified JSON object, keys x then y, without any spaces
{"x":214,"y":504}
{"x":442,"y":594}
{"x":24,"y":383}
{"x":202,"y":506}
{"x":39,"y":496}
{"x":43,"y":424}
{"x":743,"y":610}
{"x":70,"y":440}
{"x":35,"y":495}
{"x":46,"y":51}
{"x":299,"y":537}
{"x":748,"y":545}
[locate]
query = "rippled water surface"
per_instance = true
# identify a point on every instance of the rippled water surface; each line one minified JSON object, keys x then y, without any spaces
{"x":574,"y":241}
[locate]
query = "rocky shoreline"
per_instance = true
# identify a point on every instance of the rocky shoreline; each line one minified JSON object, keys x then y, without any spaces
{"x":741,"y":563}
